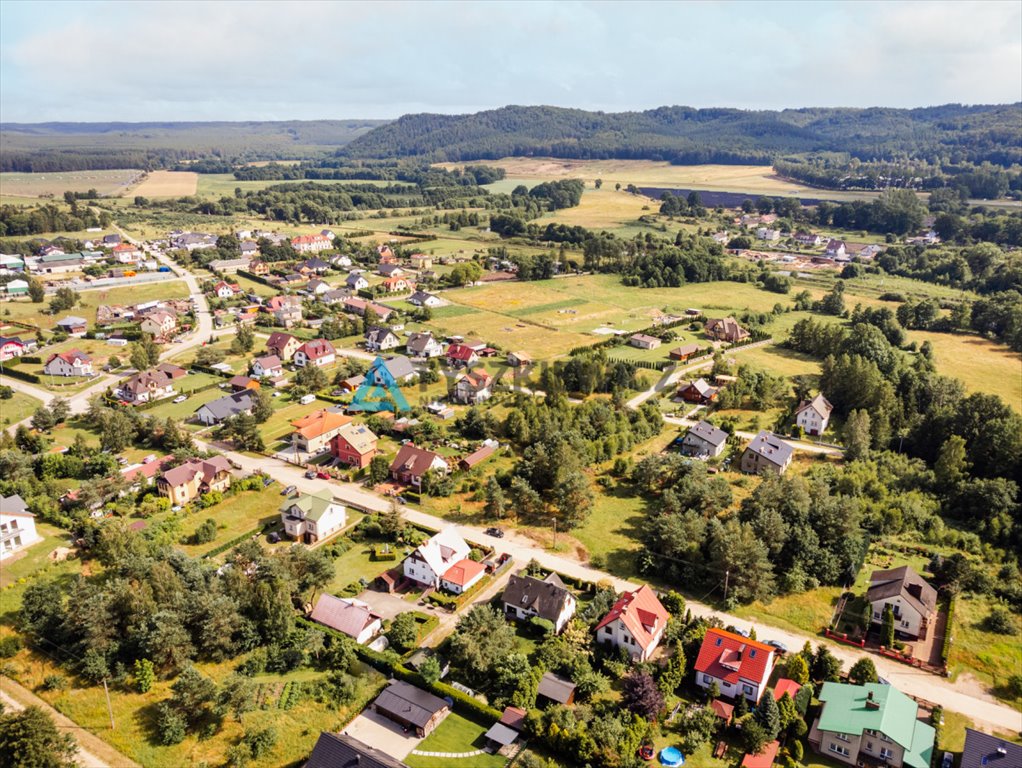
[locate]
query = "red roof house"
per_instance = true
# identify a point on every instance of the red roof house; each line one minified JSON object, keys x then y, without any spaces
{"x":764,"y":759}
{"x":459,"y":355}
{"x":635,"y":623}
{"x":739,"y":666}
{"x":461,"y":576}
{"x":786,"y":686}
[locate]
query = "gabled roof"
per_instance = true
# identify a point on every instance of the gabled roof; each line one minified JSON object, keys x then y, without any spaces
{"x":279,"y":339}
{"x":377,"y":334}
{"x":463,"y":572}
{"x":731,"y":657}
{"x":771,"y":448}
{"x":348,"y":616}
{"x":704,"y":430}
{"x":338,"y":750}
{"x":764,"y":758}
{"x":442,"y":550}
{"x":409,"y":703}
{"x":460,"y":352}
{"x":267,"y":362}
{"x":644,"y":338}
{"x":399,"y":367}
{"x":641,"y":613}
{"x":318,"y":423}
{"x":546,"y":598}
{"x":819,"y":403}
{"x":476,"y":379}
{"x":905,"y":583}
{"x":703,"y":387}
{"x":146,"y":380}
{"x":685,"y":350}
{"x":14,"y":505}
{"x":556,"y":688}
{"x":513,"y":717}
{"x":316,"y":349}
{"x":851,"y":709}
{"x":786,"y":686}
{"x":985,"y":751}
{"x":70,"y":357}
{"x":359,"y":437}
{"x":229,"y":405}
{"x":206,"y":468}
{"x":417,"y":342}
{"x":414,"y":460}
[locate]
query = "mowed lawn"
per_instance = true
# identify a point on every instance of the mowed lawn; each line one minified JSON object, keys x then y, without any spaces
{"x":38,"y":314}
{"x":357,"y":564}
{"x":236,"y":515}
{"x":19,"y":407}
{"x":455,"y":734}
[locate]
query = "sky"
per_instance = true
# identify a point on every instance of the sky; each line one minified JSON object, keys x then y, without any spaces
{"x":257,"y":60}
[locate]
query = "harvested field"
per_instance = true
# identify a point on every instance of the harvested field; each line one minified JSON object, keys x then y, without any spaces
{"x":56,"y":184}
{"x":168,"y":184}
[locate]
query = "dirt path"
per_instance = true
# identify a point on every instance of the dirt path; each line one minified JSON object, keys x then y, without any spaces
{"x":93,"y":752}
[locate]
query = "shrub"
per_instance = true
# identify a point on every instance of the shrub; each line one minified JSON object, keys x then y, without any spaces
{"x":54,"y":683}
{"x":9,"y":646}
{"x":1000,"y":621}
{"x":205,"y":533}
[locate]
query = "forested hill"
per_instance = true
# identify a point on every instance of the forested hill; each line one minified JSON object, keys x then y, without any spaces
{"x":682,"y":135}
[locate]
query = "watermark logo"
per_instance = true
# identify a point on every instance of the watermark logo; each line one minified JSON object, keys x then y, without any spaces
{"x":379,"y":391}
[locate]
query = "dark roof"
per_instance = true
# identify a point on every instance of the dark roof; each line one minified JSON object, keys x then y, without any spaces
{"x":410,"y":704}
{"x":985,"y":751}
{"x":338,"y":750}
{"x":231,"y":405}
{"x":547,"y":598}
{"x":905,"y":583}
{"x":771,"y":448}
{"x":556,"y":688}
{"x":705,"y":431}
{"x":501,"y":734}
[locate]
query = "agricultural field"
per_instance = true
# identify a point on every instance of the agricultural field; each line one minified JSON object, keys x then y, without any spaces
{"x":981,"y":364}
{"x":614,"y":211}
{"x":216,"y":185}
{"x":29,"y":185}
{"x":167,"y":184}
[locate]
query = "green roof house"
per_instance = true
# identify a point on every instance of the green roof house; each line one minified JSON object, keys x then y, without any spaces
{"x":312,"y":516}
{"x":871,"y":725}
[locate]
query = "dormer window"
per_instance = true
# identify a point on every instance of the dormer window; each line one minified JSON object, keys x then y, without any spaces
{"x":719,"y":641}
{"x":752,"y":653}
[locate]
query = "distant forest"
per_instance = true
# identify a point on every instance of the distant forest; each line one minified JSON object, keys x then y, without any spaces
{"x":683,"y":135}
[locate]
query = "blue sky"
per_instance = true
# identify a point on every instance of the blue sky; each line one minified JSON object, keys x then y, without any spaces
{"x":182,"y":60}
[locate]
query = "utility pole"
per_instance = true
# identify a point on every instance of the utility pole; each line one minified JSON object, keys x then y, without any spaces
{"x":554,"y":519}
{"x":727,"y":574}
{"x":108,"y":707}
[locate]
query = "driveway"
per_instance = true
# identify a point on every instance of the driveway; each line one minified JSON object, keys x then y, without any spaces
{"x":388,"y":605}
{"x":382,"y":734}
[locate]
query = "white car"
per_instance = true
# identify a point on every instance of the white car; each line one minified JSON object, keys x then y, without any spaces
{"x":180,"y":398}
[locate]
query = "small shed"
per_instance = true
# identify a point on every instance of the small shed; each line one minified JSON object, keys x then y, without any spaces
{"x":557,"y":689}
{"x":723,"y":710}
{"x":764,"y":759}
{"x":500,"y":736}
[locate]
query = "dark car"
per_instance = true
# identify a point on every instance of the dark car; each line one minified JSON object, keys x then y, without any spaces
{"x":310,"y":474}
{"x":274,"y":537}
{"x":495,"y":533}
{"x":268,"y":481}
{"x":402,"y":500}
{"x":781,"y":647}
{"x":289,"y":490}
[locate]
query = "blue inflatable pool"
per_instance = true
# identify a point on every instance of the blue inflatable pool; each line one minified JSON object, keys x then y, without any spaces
{"x":671,"y":757}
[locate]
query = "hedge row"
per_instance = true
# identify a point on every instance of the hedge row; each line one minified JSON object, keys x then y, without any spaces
{"x":31,"y":359}
{"x":390,"y":664}
{"x":257,"y":278}
{"x":236,"y":541}
{"x":13,"y":372}
{"x":213,"y":371}
{"x":945,"y":649}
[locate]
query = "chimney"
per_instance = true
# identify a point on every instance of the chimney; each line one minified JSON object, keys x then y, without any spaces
{"x":871,"y":703}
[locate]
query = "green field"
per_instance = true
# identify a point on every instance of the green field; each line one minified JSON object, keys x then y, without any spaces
{"x":234,"y":516}
{"x":19,"y":407}
{"x":982,"y":365}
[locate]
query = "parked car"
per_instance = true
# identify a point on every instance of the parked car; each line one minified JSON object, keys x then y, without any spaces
{"x":310,"y":474}
{"x":274,"y":537}
{"x":289,"y":490}
{"x":180,"y":398}
{"x":495,"y":533}
{"x":781,"y":647}
{"x":268,"y":481}
{"x":323,"y":475}
{"x":402,"y":500}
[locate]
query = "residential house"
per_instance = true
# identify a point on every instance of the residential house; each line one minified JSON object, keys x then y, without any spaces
{"x":268,"y":366}
{"x":396,"y":285}
{"x":389,"y":270}
{"x":704,"y":439}
{"x":218,"y":411}
{"x":985,"y":751}
{"x":335,"y":296}
{"x":317,"y":287}
{"x":260,"y":268}
{"x":912,"y":599}
{"x":186,"y":482}
{"x":423,"y":345}
{"x":644,"y":341}
{"x":111,"y":240}
{"x":556,"y":689}
{"x":146,"y":386}
{"x":74,"y":362}
{"x":286,"y":310}
{"x":17,"y":526}
{"x":312,"y":517}
{"x":412,"y":463}
{"x":314,"y":266}
{"x":725,"y":329}
{"x":340,"y":261}
{"x":814,"y":415}
{"x":473,"y":388}
{"x":635,"y":623}
{"x":768,"y":234}
{"x":354,"y":445}
{"x":410,"y":707}
{"x":836,"y":248}
{"x":808,"y":238}
{"x":11,"y":347}
{"x":424,"y":299}
{"x":739,"y":666}
{"x":359,"y":306}
{"x":317,"y":353}
{"x":421,"y":261}
{"x":228,"y":267}
{"x":400,"y":369}
{"x":282,"y":345}
{"x":461,"y":355}
{"x":249,"y":250}
{"x":73,"y":325}
{"x":338,"y":750}
{"x":160,"y":324}
{"x":386,"y":254}
{"x":871,"y":724}
{"x":356,"y":281}
{"x":462,"y":576}
{"x":698,"y":391}
{"x":127,"y":254}
{"x":863,"y":251}
{"x":225,"y":290}
{"x":194,"y":241}
{"x":314,"y":432}
{"x":348,"y":616}
{"x":766,"y":453}
{"x":429,"y":562}
{"x":519,"y":359}
{"x":684,"y":352}
{"x":526,"y":597}
{"x":311,"y":243}
{"x":380,"y":339}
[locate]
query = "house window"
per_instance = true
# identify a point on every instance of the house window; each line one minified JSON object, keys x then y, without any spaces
{"x":839,"y":749}
{"x":747,"y":689}
{"x":869,"y":746}
{"x":841,"y":737}
{"x":886,"y":753}
{"x":607,"y":630}
{"x":707,"y":679}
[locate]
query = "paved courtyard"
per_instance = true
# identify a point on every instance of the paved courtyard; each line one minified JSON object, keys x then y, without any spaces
{"x":383,"y":734}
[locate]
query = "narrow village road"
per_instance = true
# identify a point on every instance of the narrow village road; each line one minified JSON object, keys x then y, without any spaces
{"x":959,"y":696}
{"x":93,"y":752}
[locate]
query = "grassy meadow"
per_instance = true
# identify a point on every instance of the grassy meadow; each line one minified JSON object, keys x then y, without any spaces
{"x":29,"y":185}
